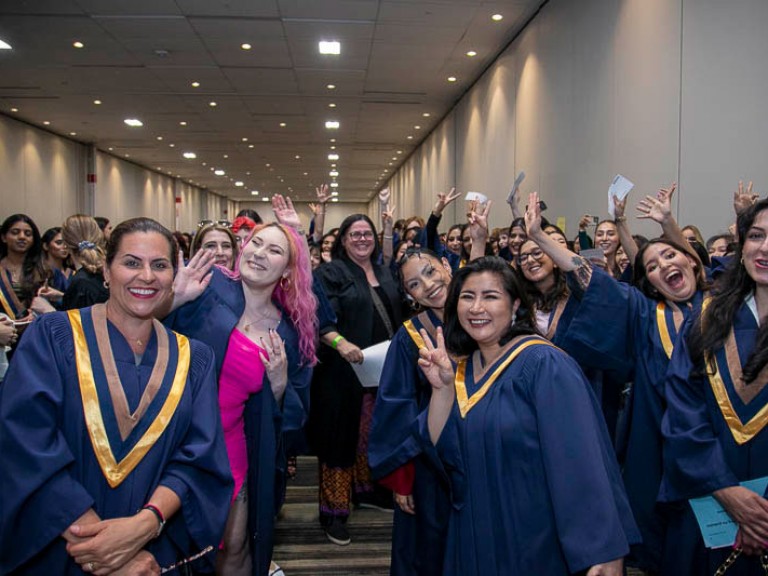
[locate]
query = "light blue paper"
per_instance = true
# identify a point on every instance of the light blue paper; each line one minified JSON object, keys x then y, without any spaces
{"x":717,"y":528}
{"x":619,"y":188}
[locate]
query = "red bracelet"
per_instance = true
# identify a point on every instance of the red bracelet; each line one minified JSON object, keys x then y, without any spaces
{"x":156,"y":511}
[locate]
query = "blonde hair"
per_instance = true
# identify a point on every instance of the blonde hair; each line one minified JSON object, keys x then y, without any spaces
{"x":85,"y":240}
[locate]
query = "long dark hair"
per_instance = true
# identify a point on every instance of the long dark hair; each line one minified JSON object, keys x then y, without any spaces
{"x":732,"y":288}
{"x":640,"y":275}
{"x":338,"y":249}
{"x":457,"y":341}
{"x":544,"y":301}
{"x":33,"y":270}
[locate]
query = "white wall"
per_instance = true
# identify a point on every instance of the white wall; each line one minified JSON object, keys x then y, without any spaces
{"x":658,"y":90}
{"x":41,"y":175}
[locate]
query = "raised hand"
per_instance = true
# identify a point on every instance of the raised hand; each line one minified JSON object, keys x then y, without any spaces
{"x":284,"y":211}
{"x":585,"y":221}
{"x":743,"y":199}
{"x":435,"y":362}
{"x":388,"y":214}
{"x":443,"y":200}
{"x":323,"y":194}
{"x":477,"y":221}
{"x":533,"y":214}
{"x":658,"y":208}
{"x":619,"y":206}
{"x":192,"y":278}
{"x":384,"y":195}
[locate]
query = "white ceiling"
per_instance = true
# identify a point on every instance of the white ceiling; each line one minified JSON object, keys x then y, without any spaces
{"x":141,"y":57}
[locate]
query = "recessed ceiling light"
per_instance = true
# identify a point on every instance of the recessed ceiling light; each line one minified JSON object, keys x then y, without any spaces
{"x":127,"y":155}
{"x":195,"y":84}
{"x":133,"y":122}
{"x":5,"y":46}
{"x":471,"y":53}
{"x":331,"y":86}
{"x":205,"y":163}
{"x":226,"y":156}
{"x":333,"y":147}
{"x":247,"y":173}
{"x":451,"y":78}
{"x":426,"y":114}
{"x":14,"y":109}
{"x":333,"y":165}
{"x":333,"y":140}
{"x":409,"y":137}
{"x":239,"y":183}
{"x":390,"y":163}
{"x":497,"y":17}
{"x":283,"y":124}
{"x":399,"y":151}
{"x":110,"y":149}
{"x":297,"y":157}
{"x":334,"y":199}
{"x":329,"y":47}
{"x":189,"y":155}
{"x":219,"y":172}
{"x":265,"y":199}
{"x":331,"y":105}
{"x":46,"y":122}
{"x":394,"y":157}
{"x":245,"y":139}
{"x":386,"y":170}
{"x":254,"y":192}
{"x":417,"y":127}
{"x":334,"y":184}
{"x":306,"y":173}
{"x":73,"y":133}
{"x":333,"y":156}
{"x":267,"y":164}
{"x":78,"y":44}
{"x":333,"y":173}
{"x":245,"y":46}
{"x":332,"y":124}
{"x":159,"y":137}
{"x":182,"y":123}
{"x":171,"y":145}
{"x":251,"y":146}
{"x":97,"y":102}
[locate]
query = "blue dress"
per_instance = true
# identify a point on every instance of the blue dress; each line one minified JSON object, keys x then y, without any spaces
{"x":418,"y":541}
{"x":535,"y":488}
{"x":270,"y":430}
{"x":618,"y":328}
{"x":52,"y":475}
{"x":702,"y":452}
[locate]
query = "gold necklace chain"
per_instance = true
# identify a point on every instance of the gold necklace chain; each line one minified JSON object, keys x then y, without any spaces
{"x":259,"y":319}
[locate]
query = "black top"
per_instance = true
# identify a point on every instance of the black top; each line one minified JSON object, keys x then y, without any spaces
{"x":85,"y":289}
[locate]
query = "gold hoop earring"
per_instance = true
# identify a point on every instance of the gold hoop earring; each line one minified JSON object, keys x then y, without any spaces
{"x":106,"y":284}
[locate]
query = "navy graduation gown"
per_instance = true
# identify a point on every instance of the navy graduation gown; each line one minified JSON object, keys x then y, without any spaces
{"x":535,"y":488}
{"x":269,"y":428}
{"x":701,"y":453}
{"x":418,"y":541}
{"x":618,"y":328}
{"x":52,"y":476}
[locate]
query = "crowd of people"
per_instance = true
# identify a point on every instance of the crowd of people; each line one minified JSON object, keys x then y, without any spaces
{"x":548,"y":405}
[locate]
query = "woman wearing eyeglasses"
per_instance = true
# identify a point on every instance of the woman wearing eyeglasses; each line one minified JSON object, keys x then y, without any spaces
{"x":368,"y":306}
{"x":217,"y":238}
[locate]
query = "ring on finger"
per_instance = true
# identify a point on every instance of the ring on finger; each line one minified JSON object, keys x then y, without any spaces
{"x":91,"y":566}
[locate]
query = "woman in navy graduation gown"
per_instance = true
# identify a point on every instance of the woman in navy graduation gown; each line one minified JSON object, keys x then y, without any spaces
{"x":261,"y":322}
{"x":715,"y":432}
{"x":535,"y":487}
{"x":114,"y":455}
{"x":395,"y":457}
{"x":623,"y":328}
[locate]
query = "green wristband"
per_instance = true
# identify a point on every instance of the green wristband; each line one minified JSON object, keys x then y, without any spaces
{"x":335,"y":341}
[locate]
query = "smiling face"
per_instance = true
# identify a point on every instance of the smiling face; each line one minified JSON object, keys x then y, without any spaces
{"x":359,"y":241}
{"x":536,"y":266}
{"x":426,"y":280}
{"x":264,"y":260}
{"x":755,"y":250}
{"x":516,"y":238}
{"x":19,"y":237}
{"x":220,"y":244}
{"x":453,"y":241}
{"x":57,"y":248}
{"x":622,"y":260}
{"x":670,"y":271}
{"x":719,"y":247}
{"x":140,"y":276}
{"x":327,"y":243}
{"x":607,"y":238}
{"x":484,"y":309}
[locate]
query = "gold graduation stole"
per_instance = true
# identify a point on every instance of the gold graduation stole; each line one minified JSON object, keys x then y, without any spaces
{"x":120,"y":439}
{"x":556,"y":314}
{"x":426,"y":323}
{"x":742,"y":431}
{"x":661,"y":323}
{"x":10,"y":303}
{"x":465,"y":402}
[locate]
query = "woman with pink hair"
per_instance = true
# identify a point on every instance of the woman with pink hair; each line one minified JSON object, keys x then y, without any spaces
{"x":261,"y":321}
